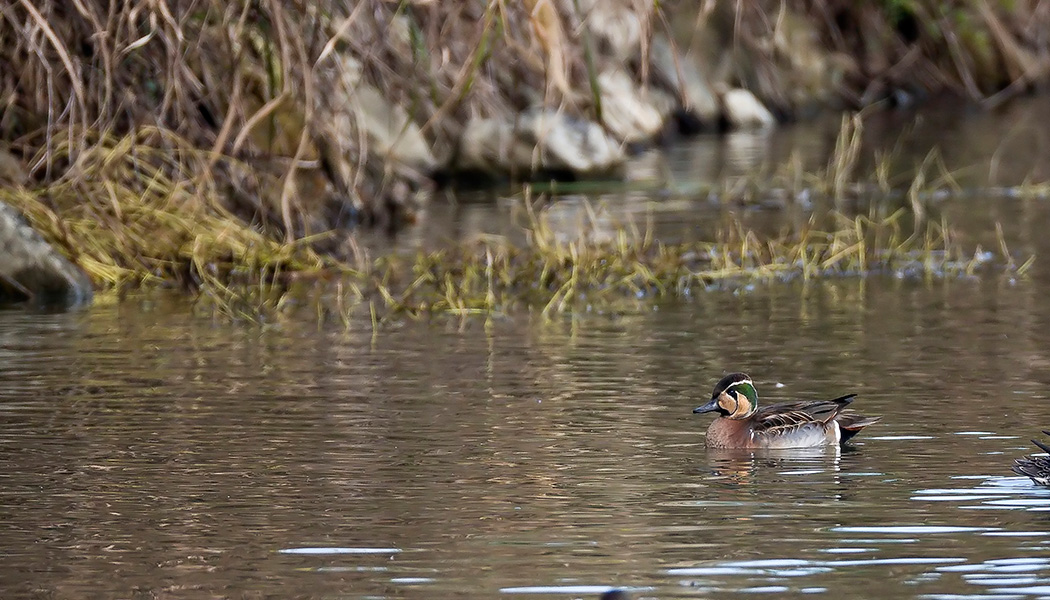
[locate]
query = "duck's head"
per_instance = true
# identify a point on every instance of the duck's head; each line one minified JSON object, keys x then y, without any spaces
{"x":734,"y":397}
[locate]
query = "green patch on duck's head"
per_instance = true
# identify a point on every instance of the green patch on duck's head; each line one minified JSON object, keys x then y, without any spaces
{"x":736,"y":383}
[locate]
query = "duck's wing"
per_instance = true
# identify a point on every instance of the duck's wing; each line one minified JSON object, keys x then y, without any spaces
{"x":1035,"y":467}
{"x":781,"y":418}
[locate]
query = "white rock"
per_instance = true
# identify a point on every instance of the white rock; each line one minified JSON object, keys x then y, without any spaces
{"x":572,"y":143}
{"x":490,"y":145}
{"x":539,"y":139}
{"x":616,"y":24}
{"x":393,"y":134}
{"x":744,"y":111}
{"x":626,"y":113}
{"x":685,"y":74}
{"x":391,"y":131}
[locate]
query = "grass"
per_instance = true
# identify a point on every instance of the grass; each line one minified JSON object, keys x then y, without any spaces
{"x":554,"y":276}
{"x":138,"y":214}
{"x":551,"y":276}
{"x":146,"y":208}
{"x":143,"y":214}
{"x":264,"y":82}
{"x":226,"y":208}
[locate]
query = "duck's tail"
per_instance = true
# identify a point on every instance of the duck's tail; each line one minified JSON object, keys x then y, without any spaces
{"x":1041,"y":445}
{"x":850,"y":424}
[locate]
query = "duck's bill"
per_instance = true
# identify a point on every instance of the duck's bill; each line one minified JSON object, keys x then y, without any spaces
{"x":711,"y":406}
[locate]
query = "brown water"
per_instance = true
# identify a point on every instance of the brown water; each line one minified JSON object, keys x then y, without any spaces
{"x":145,"y":452}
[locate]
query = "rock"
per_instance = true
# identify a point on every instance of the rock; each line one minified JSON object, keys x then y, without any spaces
{"x":626,"y":112}
{"x":812,"y":74}
{"x":744,"y":111}
{"x":31,"y":270}
{"x":686,"y":76}
{"x":616,"y":24}
{"x":490,"y":145}
{"x":394,"y":134}
{"x":11,"y":171}
{"x":540,"y":139}
{"x":391,"y":131}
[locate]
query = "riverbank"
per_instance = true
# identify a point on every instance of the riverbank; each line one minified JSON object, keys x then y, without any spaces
{"x":199,"y":145}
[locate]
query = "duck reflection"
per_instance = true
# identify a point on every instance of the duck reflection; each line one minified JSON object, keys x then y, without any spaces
{"x":745,"y":465}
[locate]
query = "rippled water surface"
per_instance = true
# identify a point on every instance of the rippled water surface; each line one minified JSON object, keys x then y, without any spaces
{"x":147,"y":452}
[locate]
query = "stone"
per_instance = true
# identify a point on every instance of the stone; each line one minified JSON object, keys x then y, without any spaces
{"x":393,"y":134}
{"x":539,"y":139}
{"x":811,"y":73}
{"x":391,"y":131}
{"x":616,"y":25}
{"x":744,"y":111}
{"x":627,"y":113}
{"x":687,"y":77}
{"x":11,"y":171}
{"x":31,"y":270}
{"x":491,"y":145}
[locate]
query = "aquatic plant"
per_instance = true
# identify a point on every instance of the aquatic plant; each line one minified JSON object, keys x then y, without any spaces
{"x":620,"y":268}
{"x":557,"y":275}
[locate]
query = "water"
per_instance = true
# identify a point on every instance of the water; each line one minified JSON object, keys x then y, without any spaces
{"x":1007,"y":147}
{"x":146,"y":452}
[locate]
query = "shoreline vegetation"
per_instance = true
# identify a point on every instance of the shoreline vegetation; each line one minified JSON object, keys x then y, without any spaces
{"x":615,"y":270}
{"x":230,"y":149}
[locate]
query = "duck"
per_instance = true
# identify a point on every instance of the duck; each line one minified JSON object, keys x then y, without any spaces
{"x":742,"y":424}
{"x":1037,"y":468}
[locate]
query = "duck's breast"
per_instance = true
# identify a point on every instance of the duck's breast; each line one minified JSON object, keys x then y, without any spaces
{"x":729,"y":433}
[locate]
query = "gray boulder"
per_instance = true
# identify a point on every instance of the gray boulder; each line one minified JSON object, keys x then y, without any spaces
{"x":536,"y":140}
{"x":687,"y":75}
{"x":745,"y":111}
{"x":627,"y":110}
{"x":32,"y":271}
